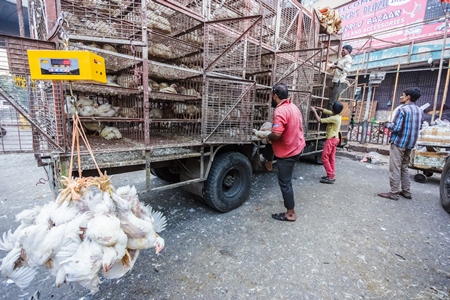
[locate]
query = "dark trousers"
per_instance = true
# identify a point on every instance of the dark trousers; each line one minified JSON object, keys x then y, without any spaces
{"x":338,"y":87}
{"x":268,"y":152}
{"x":285,"y":170}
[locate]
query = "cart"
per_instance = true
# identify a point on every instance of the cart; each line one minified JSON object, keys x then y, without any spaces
{"x":433,"y":146}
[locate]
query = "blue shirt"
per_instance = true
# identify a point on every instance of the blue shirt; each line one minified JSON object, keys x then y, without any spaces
{"x":405,"y":126}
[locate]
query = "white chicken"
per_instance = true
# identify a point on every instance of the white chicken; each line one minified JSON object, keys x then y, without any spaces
{"x":84,"y":101}
{"x":111,"y":133}
{"x":141,"y":232}
{"x":109,"y":47}
{"x":156,"y":113}
{"x":163,"y":85}
{"x":105,"y":110}
{"x":84,"y":265}
{"x":103,"y":229}
{"x":22,"y":276}
{"x":69,"y":107}
{"x":158,"y":23}
{"x":159,"y":50}
{"x":264,"y":131}
{"x":94,"y":126}
{"x":170,"y":89}
{"x":86,"y":111}
{"x":153,"y":85}
{"x":192,"y":112}
{"x":191,"y":92}
{"x":111,"y":80}
{"x":127,"y":112}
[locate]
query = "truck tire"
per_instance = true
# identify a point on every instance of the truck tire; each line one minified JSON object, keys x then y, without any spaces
{"x":318,"y":159}
{"x":166,"y":174}
{"x":228,"y":182}
{"x":421,"y":178}
{"x":444,"y":190}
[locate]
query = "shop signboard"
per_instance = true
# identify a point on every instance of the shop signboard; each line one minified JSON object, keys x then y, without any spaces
{"x":392,"y":22}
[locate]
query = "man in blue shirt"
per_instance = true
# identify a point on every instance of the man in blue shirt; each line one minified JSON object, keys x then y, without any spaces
{"x":405,"y":131}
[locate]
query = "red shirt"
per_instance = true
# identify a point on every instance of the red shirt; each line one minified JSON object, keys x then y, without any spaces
{"x":287,"y":120}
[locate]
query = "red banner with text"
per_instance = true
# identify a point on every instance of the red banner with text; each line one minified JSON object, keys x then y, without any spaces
{"x":392,"y":21}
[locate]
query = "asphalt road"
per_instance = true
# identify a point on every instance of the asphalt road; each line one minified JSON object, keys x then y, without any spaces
{"x":346,"y":244}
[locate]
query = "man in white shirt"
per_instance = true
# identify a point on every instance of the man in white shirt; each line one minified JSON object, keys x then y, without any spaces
{"x":341,"y":68}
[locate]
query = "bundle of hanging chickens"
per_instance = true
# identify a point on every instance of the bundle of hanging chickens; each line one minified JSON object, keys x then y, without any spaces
{"x":330,"y":19}
{"x":91,"y":229}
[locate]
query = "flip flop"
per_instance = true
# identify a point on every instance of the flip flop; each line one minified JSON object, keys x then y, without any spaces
{"x":281,"y":217}
{"x":388,"y":195}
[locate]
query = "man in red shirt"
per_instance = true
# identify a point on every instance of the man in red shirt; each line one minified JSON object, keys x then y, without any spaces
{"x":287,"y":141}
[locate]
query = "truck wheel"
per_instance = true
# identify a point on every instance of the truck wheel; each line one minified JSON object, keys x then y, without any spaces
{"x":318,"y":158}
{"x":421,"y":178}
{"x":165,"y":174}
{"x":228,"y":182}
{"x":428,"y":173}
{"x":444,"y":190}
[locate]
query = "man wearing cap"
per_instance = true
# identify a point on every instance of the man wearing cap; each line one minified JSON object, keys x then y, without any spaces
{"x":341,"y":68}
{"x":332,"y":134}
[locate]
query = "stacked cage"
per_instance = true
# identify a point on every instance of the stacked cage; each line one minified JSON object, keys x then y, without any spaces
{"x":232,"y":49}
{"x":185,"y":73}
{"x":37,"y":102}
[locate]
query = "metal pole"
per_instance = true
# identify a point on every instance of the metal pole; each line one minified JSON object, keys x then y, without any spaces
{"x":366,"y":116}
{"x":395,"y":91}
{"x":436,"y":93}
{"x":20,"y":18}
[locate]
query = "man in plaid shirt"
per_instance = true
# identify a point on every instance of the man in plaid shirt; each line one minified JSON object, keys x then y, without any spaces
{"x":404,"y":134}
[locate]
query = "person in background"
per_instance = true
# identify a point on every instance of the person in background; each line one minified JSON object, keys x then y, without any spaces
{"x":332,"y":134}
{"x":287,"y":139}
{"x":404,"y":130}
{"x":341,"y":68}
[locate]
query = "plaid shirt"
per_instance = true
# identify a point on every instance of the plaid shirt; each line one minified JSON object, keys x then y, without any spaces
{"x":405,"y":126}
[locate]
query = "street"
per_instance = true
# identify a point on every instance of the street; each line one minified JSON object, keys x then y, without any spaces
{"x":347,"y":243}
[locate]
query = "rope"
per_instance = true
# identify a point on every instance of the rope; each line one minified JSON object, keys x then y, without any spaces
{"x":76,"y":132}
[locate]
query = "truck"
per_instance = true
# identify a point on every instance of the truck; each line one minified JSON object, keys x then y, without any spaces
{"x":187,"y":81}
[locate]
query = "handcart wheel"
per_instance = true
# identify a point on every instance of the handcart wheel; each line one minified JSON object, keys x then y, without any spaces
{"x":420,"y":178}
{"x":428,"y":173}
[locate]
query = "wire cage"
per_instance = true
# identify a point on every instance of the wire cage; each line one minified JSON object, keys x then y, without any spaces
{"x":296,"y":74}
{"x":166,"y":49}
{"x":233,"y":46}
{"x":302,"y":100}
{"x":227,"y":111}
{"x":289,"y":37}
{"x":117,"y":58}
{"x":191,"y":7}
{"x":103,"y":19}
{"x":31,"y":112}
{"x":219,"y":10}
{"x":269,"y":17}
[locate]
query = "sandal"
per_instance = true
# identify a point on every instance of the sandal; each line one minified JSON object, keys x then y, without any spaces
{"x":388,"y":196}
{"x":281,"y":217}
{"x":405,"y":195}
